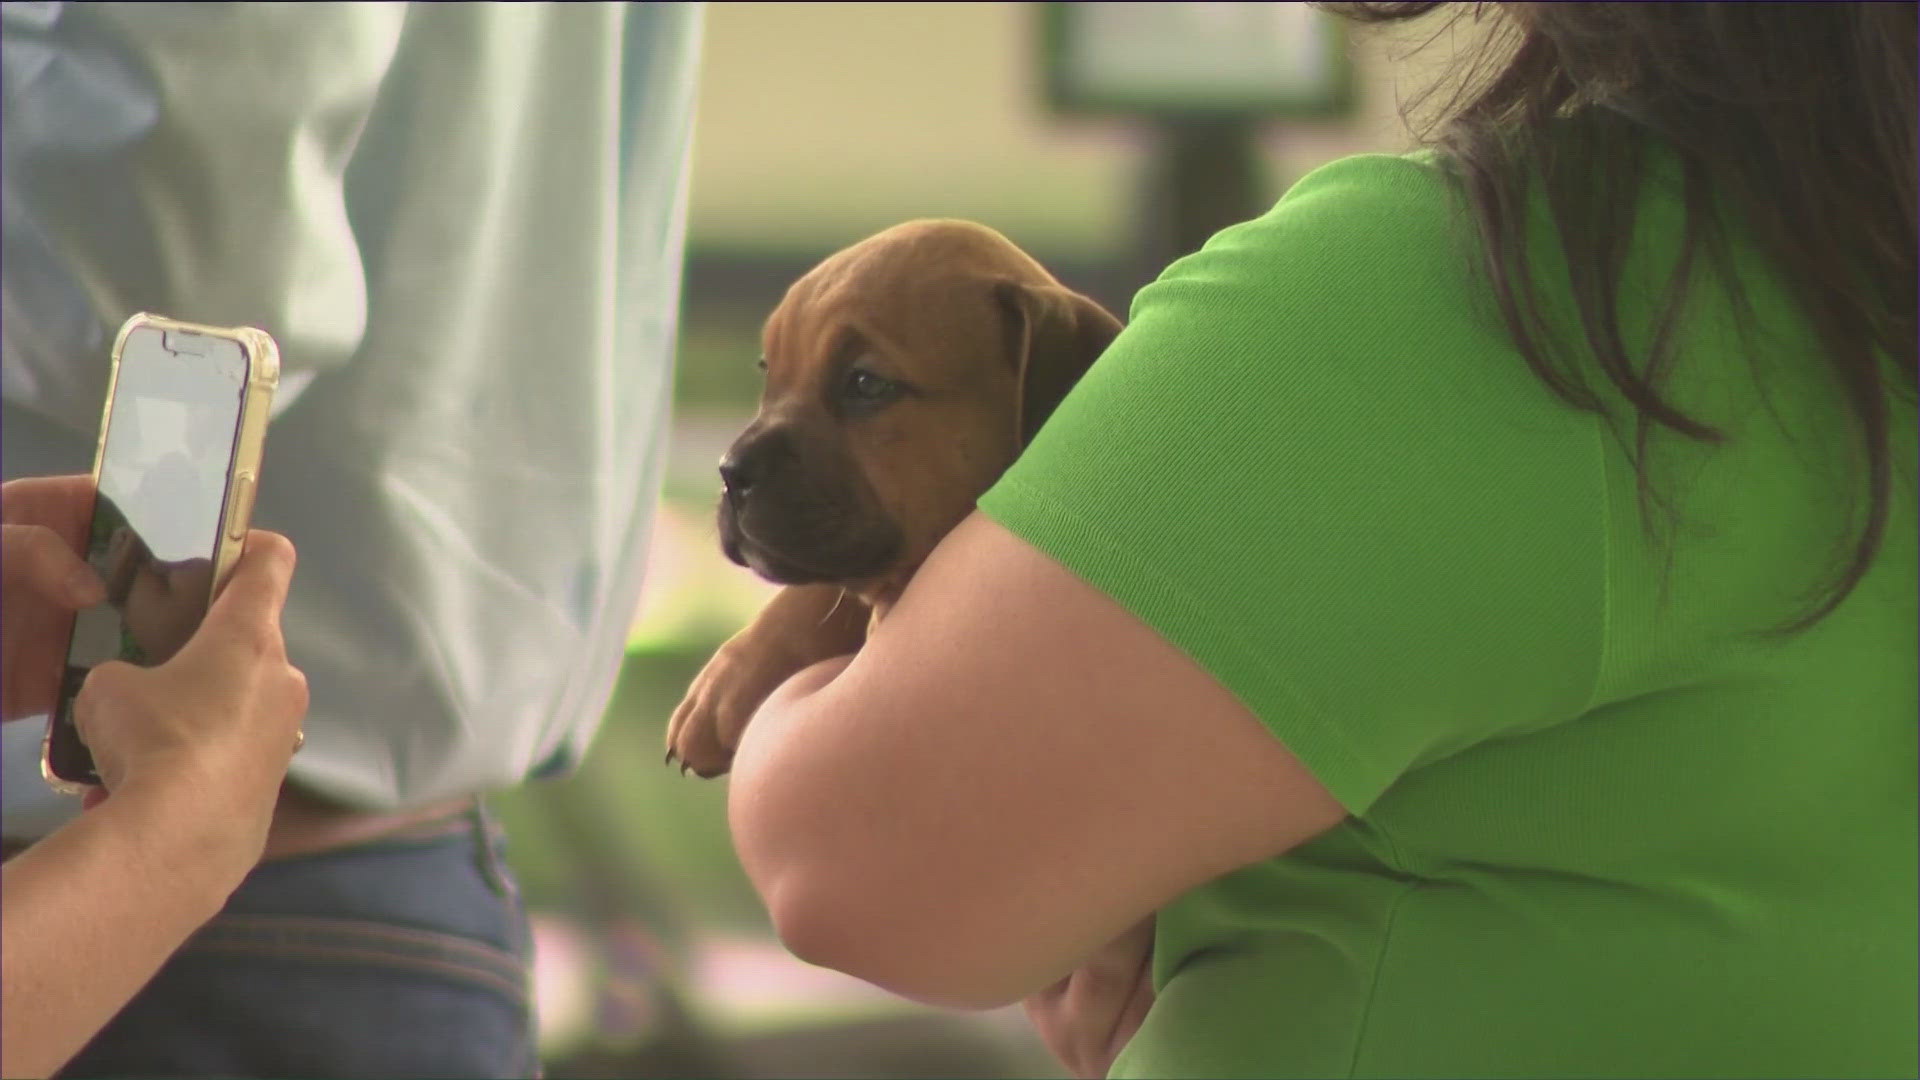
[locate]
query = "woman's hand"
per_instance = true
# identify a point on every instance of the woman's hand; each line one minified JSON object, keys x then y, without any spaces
{"x":192,"y":753}
{"x":220,"y":720}
{"x":1087,"y":1018}
{"x":43,"y":581}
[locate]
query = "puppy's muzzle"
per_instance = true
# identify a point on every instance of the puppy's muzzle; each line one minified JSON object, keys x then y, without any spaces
{"x":743,"y":467}
{"x":796,"y":515}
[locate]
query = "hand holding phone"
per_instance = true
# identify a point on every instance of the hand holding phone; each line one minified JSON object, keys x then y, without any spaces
{"x":221,"y":716}
{"x":174,"y":473}
{"x":44,"y":581}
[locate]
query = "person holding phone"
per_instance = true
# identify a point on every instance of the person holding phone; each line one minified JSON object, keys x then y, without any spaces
{"x":463,"y":225}
{"x":191,"y":754}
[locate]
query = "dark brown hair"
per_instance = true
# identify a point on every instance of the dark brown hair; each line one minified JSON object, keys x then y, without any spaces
{"x":1797,"y":118}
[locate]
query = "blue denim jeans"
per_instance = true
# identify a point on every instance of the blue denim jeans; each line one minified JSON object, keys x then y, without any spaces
{"x":404,"y":957}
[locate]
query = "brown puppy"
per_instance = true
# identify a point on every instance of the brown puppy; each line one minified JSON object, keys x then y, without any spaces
{"x":904,"y":374}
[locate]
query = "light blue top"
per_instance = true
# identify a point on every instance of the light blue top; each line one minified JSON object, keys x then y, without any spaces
{"x":464,"y":225}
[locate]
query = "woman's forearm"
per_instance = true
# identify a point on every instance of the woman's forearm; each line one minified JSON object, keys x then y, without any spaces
{"x":95,"y":909}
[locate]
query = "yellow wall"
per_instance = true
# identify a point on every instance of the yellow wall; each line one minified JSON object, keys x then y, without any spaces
{"x":823,"y":122}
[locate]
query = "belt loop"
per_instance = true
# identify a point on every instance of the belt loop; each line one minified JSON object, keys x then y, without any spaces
{"x":489,"y":851}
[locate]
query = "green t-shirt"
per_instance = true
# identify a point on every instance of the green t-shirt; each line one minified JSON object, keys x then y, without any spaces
{"x":1600,"y":825}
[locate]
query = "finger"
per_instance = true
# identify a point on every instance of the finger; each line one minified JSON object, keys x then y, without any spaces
{"x":61,"y":503}
{"x":1043,"y":1005}
{"x":36,"y":558}
{"x":103,"y":694}
{"x":1048,"y":1015}
{"x":1134,"y":1013}
{"x":257,"y":591}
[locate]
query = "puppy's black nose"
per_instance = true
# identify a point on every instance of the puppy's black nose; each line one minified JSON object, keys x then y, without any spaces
{"x":755,"y":460}
{"x":734,"y":475}
{"x":745,"y":464}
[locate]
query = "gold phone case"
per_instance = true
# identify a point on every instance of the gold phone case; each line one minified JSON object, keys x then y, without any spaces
{"x":243,"y":471}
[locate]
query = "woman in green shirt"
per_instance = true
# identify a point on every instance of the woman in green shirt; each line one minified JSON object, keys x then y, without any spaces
{"x":1465,"y":625}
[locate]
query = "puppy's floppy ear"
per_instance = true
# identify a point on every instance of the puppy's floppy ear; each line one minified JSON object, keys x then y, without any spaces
{"x":1053,"y":336}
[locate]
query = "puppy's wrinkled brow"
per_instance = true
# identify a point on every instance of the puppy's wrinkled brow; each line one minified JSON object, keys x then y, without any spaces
{"x":849,"y":344}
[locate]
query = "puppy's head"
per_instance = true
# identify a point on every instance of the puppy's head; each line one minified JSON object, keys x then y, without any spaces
{"x":903,"y":375}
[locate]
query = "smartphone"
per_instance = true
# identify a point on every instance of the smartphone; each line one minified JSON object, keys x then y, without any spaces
{"x":173,"y":477}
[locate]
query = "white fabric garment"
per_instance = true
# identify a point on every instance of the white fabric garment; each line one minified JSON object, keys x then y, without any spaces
{"x":463,"y":223}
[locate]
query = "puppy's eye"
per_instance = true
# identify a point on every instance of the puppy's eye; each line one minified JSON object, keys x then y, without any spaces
{"x":761,"y":364}
{"x":866,"y":388}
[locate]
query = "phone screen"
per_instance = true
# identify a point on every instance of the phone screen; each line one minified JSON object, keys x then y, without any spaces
{"x":162,"y":495}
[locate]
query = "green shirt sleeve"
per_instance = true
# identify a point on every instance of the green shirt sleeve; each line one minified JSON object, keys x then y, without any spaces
{"x":1314,"y":463}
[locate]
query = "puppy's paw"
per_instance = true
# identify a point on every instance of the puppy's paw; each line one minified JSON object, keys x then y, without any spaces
{"x":801,"y":625}
{"x":707,"y":724}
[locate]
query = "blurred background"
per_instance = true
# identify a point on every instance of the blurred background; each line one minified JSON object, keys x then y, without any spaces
{"x":1105,"y":139}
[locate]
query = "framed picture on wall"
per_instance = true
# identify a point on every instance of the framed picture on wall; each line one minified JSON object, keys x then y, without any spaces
{"x":1268,"y":60}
